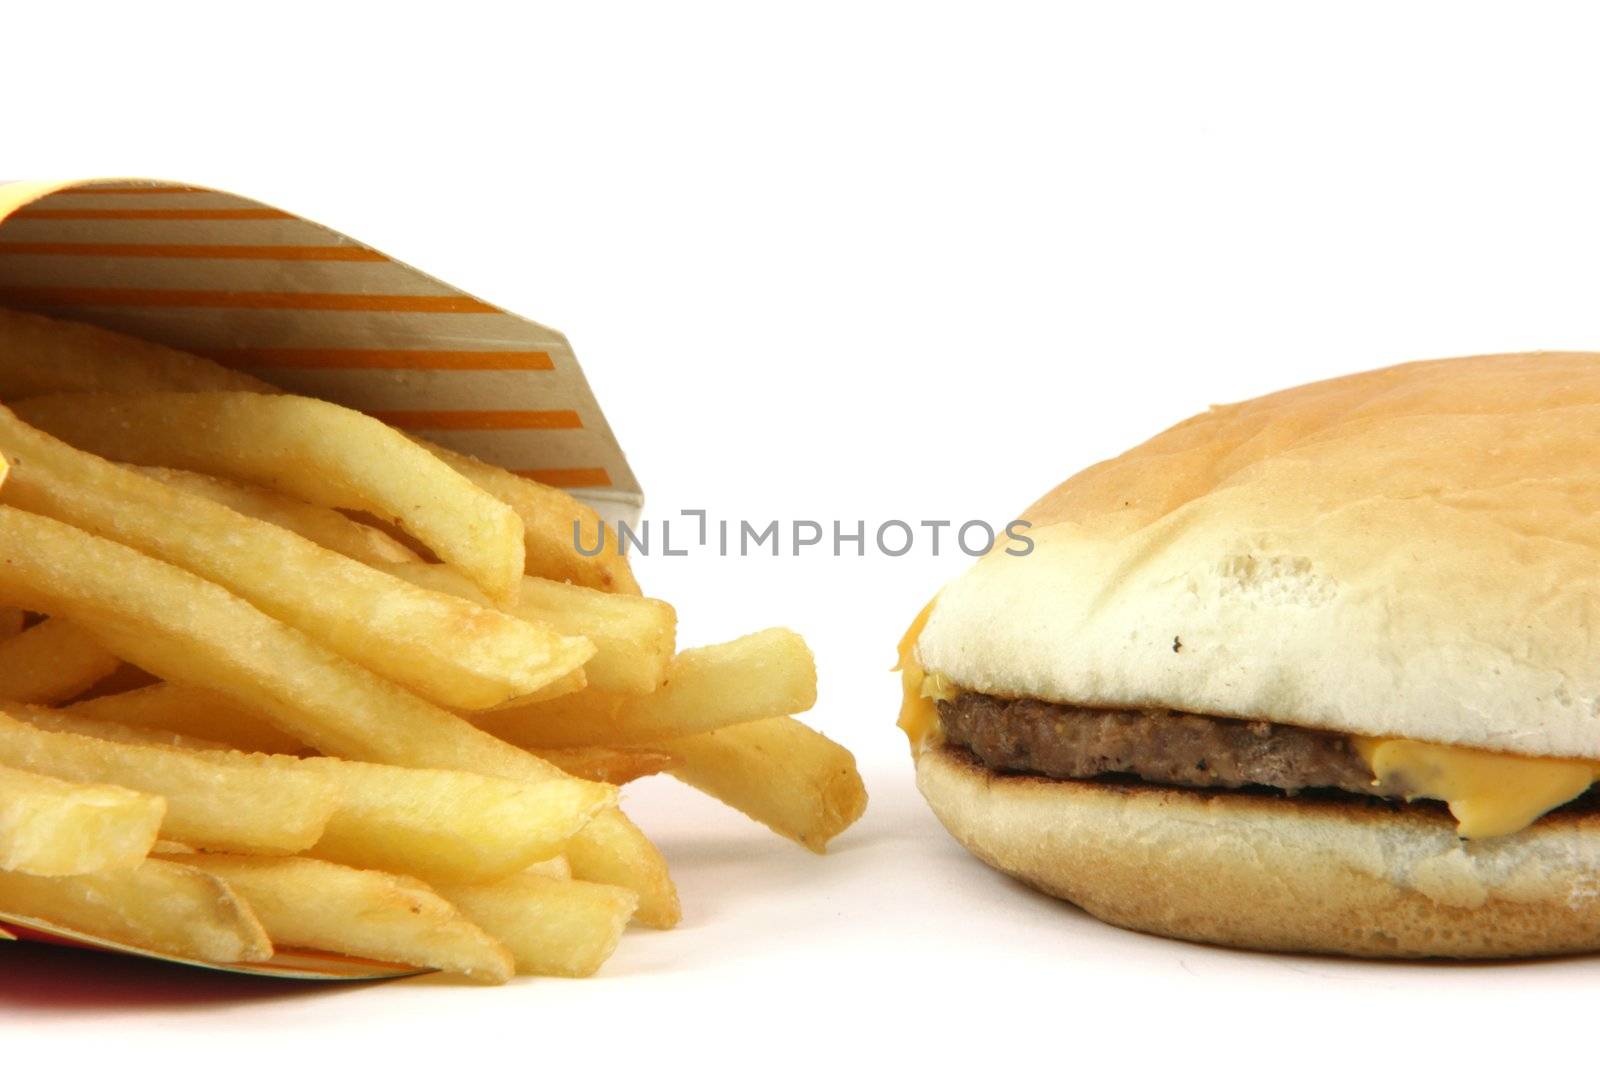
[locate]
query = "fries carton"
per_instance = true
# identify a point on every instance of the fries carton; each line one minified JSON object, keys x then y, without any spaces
{"x":318,"y":313}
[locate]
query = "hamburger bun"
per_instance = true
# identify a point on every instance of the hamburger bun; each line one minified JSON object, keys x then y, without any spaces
{"x":1278,"y":873}
{"x":1408,"y":553}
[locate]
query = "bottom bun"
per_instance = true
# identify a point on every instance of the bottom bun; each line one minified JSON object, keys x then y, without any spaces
{"x":1354,"y":877}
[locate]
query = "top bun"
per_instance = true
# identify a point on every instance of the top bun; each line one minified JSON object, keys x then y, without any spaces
{"x":1411,"y":552}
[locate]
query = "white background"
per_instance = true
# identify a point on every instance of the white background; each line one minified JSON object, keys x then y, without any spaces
{"x":871,"y":262}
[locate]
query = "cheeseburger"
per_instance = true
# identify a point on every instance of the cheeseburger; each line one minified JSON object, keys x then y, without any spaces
{"x":1319,"y":671}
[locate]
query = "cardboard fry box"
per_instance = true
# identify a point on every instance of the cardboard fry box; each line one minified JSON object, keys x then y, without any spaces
{"x":312,"y":311}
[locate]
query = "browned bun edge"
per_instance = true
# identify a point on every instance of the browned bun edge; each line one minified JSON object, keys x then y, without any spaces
{"x":1356,"y":877}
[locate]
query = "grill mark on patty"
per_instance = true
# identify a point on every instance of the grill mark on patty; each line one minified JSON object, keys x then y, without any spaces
{"x":1176,"y":748}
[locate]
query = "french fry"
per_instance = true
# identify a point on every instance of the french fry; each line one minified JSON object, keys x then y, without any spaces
{"x":313,"y":904}
{"x":160,"y":906}
{"x":433,"y":824}
{"x":40,"y":355}
{"x":331,"y":529}
{"x":633,"y":636}
{"x":478,"y":832}
{"x":64,"y":721}
{"x":779,"y":772}
{"x":247,"y":803}
{"x":570,"y":682}
{"x":51,"y":827}
{"x":51,"y":661}
{"x":552,"y":926}
{"x":271,"y":587}
{"x":615,"y":852}
{"x":12,"y":620}
{"x":450,"y":650}
{"x":554,"y":523}
{"x":185,"y":629}
{"x":190,"y":712}
{"x":555,"y":867}
{"x":450,"y":824}
{"x":319,"y":452}
{"x":760,"y":676}
{"x":611,"y":765}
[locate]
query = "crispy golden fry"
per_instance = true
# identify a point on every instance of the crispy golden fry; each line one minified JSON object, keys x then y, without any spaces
{"x":51,"y":827}
{"x":66,"y":721}
{"x":633,"y":635}
{"x":450,"y":650}
{"x":548,"y":517}
{"x":449,"y":825}
{"x":50,"y":662}
{"x":555,"y":867}
{"x":571,"y":682}
{"x":319,"y":452}
{"x":39,"y":355}
{"x":185,"y":629}
{"x":761,"y":676}
{"x":331,"y":529}
{"x":615,"y":852}
{"x":780,"y":773}
{"x":190,"y":712}
{"x":12,"y":620}
{"x":616,"y":766}
{"x":247,"y":803}
{"x":452,"y":825}
{"x":159,"y":906}
{"x":313,"y":904}
{"x":552,"y":926}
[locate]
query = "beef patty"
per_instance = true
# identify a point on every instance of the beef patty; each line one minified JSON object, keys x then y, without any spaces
{"x":1165,"y":747}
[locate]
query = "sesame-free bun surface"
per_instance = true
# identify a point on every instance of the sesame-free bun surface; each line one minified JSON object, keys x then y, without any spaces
{"x":1286,"y":874}
{"x":1409,"y":552}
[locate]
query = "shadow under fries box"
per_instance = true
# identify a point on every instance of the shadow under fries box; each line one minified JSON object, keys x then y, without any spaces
{"x":317,"y":313}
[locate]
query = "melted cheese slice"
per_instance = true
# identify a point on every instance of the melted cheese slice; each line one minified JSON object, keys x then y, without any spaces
{"x":1489,"y":793}
{"x":918,"y":716}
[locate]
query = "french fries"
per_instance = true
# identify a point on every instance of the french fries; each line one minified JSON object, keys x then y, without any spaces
{"x":64,"y":721}
{"x":331,"y":529}
{"x":12,"y":620}
{"x":552,"y":523}
{"x":633,"y":636}
{"x":448,"y":649}
{"x":278,"y":735}
{"x":779,"y":772}
{"x":164,"y":907}
{"x":319,"y":452}
{"x":190,"y":712}
{"x":618,"y":766}
{"x":183,"y":628}
{"x":763,"y":675}
{"x":450,"y":825}
{"x":51,"y":827}
{"x":307,"y":903}
{"x":247,"y":803}
{"x":41,"y":355}
{"x":50,"y":662}
{"x":552,"y":926}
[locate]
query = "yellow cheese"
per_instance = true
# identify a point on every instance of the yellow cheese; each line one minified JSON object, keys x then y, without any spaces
{"x":1489,"y":793}
{"x":918,"y":717}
